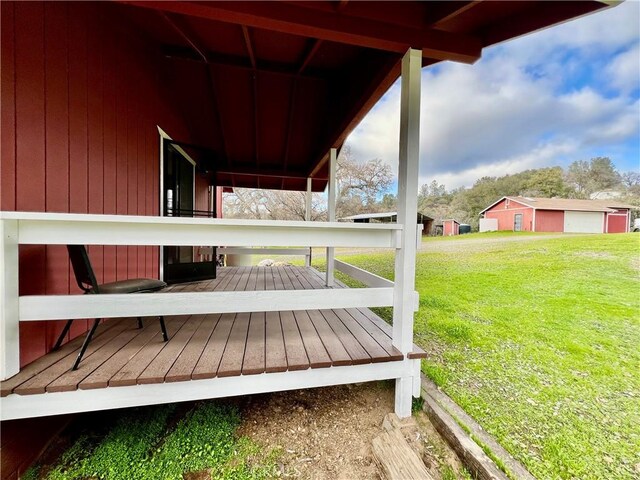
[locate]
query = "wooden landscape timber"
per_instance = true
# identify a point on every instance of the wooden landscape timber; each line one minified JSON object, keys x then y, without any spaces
{"x":393,"y":455}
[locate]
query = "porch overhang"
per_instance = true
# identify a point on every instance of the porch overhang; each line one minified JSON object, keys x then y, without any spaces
{"x":271,"y":87}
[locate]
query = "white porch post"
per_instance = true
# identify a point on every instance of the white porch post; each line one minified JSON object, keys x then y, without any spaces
{"x":307,"y":217}
{"x":331,"y":212}
{"x":405,"y":266}
{"x":9,"y":314}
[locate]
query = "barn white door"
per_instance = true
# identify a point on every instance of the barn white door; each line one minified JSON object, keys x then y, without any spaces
{"x":583,"y":222}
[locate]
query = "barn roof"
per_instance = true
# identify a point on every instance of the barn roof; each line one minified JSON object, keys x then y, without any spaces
{"x":566,"y":204}
{"x":373,"y":216}
{"x":270,"y":87}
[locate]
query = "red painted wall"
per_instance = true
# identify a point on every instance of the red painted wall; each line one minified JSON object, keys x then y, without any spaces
{"x":549,"y":221}
{"x":618,"y":223}
{"x":505,"y":214}
{"x":81,"y":95}
{"x":81,"y":98}
{"x":449,"y":227}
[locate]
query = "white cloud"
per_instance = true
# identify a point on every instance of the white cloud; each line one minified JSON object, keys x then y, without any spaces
{"x":512,"y":111}
{"x":624,"y":71}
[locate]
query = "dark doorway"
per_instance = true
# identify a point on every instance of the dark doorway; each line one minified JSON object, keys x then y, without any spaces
{"x":179,"y":171}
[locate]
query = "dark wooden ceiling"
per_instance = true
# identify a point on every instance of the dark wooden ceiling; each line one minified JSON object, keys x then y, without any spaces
{"x":270,"y":87}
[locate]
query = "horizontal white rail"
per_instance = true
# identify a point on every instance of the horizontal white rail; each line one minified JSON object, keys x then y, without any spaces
{"x":63,"y":307}
{"x":25,"y":406}
{"x":368,"y":278}
{"x":61,"y":229}
{"x":261,"y":251}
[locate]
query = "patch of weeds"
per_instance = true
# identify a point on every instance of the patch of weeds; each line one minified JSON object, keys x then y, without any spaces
{"x":32,"y":473}
{"x":448,"y":473}
{"x":416,"y":404}
{"x":143,"y":445}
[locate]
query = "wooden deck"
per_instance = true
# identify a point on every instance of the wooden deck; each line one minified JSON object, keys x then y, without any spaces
{"x":218,"y":345}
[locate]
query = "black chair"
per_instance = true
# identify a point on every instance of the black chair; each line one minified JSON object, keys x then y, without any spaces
{"x":87,"y":282}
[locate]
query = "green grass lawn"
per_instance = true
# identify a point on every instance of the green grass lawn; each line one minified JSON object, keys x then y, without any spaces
{"x":540,"y":343}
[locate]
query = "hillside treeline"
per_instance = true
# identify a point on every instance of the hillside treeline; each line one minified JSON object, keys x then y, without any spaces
{"x":580,"y":180}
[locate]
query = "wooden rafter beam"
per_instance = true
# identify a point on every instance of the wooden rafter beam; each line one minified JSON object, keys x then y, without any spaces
{"x":537,"y":17}
{"x":306,"y":58}
{"x":441,"y":12}
{"x":334,"y":27}
{"x":191,"y":39}
{"x":254,"y":82}
{"x":238,"y":61}
{"x":249,"y":46}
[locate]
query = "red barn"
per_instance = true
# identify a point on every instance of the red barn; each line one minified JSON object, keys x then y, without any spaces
{"x":525,"y":214}
{"x":450,"y":227}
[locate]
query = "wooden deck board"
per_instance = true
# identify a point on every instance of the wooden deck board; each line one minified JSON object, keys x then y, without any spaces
{"x":101,"y":376}
{"x":42,"y":363}
{"x":254,"y":354}
{"x":70,"y":380}
{"x":296,"y":355}
{"x":38,"y":383}
{"x":162,"y":363}
{"x":330,"y":340}
{"x":181,"y":370}
{"x":207,"y":366}
{"x":317,"y":354}
{"x":231,"y":364}
{"x":128,"y":374}
{"x":275,"y":354}
{"x":207,"y":346}
{"x":358,"y":354}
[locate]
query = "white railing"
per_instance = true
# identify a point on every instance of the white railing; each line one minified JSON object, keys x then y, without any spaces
{"x":18,"y":228}
{"x":368,"y":278}
{"x":304,"y":252}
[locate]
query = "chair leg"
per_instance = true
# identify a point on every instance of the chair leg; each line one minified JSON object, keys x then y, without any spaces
{"x":85,"y":344}
{"x":63,"y":334}
{"x":139,"y":322}
{"x":164,"y":330}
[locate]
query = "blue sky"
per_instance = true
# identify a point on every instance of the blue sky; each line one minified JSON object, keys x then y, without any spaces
{"x":571,"y":92}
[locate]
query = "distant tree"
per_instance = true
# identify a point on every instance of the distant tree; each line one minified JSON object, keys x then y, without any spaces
{"x":630,"y":180}
{"x":546,"y":182}
{"x":389,"y":202}
{"x":360,"y":184}
{"x":596,"y":175}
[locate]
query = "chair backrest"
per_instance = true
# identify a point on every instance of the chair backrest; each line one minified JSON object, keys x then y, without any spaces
{"x":85,"y":278}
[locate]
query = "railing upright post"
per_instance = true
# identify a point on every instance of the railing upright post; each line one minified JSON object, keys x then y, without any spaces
{"x":9,"y":314}
{"x":331,"y":213}
{"x":307,"y":217}
{"x":405,"y":263}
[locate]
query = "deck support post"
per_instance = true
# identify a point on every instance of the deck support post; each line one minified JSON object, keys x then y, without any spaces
{"x":307,"y":217}
{"x":331,"y":213}
{"x":405,"y":261}
{"x":9,"y":313}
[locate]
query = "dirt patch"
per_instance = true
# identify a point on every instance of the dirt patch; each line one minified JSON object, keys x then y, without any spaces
{"x":326,"y":433}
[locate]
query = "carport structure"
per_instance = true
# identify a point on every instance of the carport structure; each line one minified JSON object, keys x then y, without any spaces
{"x":268,"y":92}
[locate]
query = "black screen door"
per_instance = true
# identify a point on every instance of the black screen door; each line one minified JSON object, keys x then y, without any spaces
{"x":183,"y":264}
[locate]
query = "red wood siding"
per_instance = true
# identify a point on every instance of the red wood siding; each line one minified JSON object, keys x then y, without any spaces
{"x":549,"y":221}
{"x":618,"y":223}
{"x":449,"y":227}
{"x":505,"y":213}
{"x":81,"y":98}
